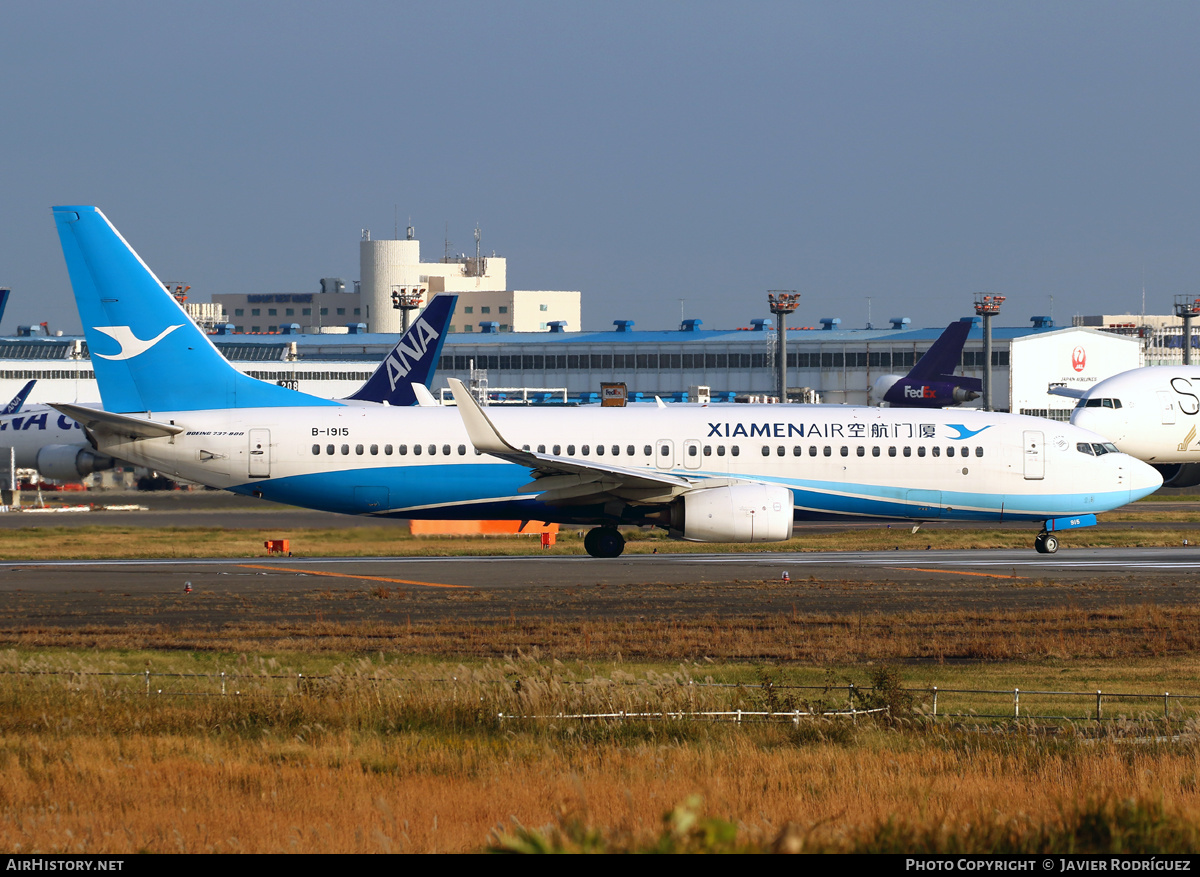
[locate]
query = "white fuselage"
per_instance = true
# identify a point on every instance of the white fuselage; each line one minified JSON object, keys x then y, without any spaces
{"x":1149,"y":413}
{"x":889,"y":463}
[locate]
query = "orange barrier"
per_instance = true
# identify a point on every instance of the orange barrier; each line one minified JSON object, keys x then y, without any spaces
{"x":277,"y":546}
{"x":482,"y":528}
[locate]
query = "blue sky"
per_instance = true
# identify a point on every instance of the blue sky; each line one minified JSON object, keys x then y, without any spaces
{"x":914,"y":153}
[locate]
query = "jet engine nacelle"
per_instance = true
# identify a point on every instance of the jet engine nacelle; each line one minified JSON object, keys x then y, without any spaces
{"x":880,"y":388}
{"x":962,"y":394}
{"x":737,"y":513}
{"x":1179,"y":474}
{"x":70,"y":462}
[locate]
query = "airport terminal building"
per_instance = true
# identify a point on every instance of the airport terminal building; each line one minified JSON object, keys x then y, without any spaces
{"x":840,"y":366}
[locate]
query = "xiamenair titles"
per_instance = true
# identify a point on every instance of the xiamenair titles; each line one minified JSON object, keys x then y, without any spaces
{"x":848,"y":429}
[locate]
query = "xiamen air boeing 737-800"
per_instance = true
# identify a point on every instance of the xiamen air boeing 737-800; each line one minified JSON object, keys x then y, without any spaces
{"x":720,"y":474}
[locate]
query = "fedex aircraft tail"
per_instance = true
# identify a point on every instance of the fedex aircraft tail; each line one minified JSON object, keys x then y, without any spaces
{"x":147,"y":353}
{"x":414,"y":359}
{"x":940,"y":360}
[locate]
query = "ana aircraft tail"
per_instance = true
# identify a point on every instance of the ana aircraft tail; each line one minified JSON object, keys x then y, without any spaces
{"x":18,"y":400}
{"x":414,"y":359}
{"x":147,"y":353}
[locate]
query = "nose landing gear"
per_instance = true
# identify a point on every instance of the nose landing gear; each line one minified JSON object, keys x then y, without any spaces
{"x":1046,"y":543}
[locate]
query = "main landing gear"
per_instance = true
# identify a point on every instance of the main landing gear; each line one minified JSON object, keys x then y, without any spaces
{"x":1046,"y":543}
{"x":604,"y":542}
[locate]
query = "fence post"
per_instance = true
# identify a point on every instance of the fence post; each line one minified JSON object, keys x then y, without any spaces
{"x":1099,"y":705}
{"x":147,"y":683}
{"x":222,"y":683}
{"x":1167,"y":707}
{"x":935,"y":694}
{"x":1016,"y":703}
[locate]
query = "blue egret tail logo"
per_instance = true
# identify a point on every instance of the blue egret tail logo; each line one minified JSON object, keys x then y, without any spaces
{"x":963,"y":432}
{"x":131,"y":345}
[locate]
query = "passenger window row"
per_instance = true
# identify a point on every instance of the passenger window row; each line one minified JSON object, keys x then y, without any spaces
{"x":876,"y":451}
{"x":400,"y":450}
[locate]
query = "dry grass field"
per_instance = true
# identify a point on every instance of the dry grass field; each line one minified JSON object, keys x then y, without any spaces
{"x":114,"y":542}
{"x":448,"y":736}
{"x":337,"y":753}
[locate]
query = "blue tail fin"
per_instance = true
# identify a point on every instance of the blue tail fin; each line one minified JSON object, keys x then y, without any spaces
{"x":414,"y":359}
{"x":147,"y":353}
{"x":18,"y":400}
{"x":4,"y":294}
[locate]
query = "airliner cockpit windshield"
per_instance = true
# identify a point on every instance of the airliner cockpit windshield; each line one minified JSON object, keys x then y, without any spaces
{"x":1099,"y":403}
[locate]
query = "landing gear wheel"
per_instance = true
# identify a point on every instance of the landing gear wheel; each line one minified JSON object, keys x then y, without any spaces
{"x":604,"y":542}
{"x":1046,"y":543}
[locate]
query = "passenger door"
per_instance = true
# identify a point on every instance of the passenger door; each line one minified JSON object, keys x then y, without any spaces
{"x":260,"y":453}
{"x":1035,"y":459}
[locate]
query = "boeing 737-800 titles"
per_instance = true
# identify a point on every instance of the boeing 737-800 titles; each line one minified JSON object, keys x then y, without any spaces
{"x":728,"y":474}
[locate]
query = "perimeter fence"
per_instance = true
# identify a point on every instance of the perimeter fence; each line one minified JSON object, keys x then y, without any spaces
{"x":543,"y":696}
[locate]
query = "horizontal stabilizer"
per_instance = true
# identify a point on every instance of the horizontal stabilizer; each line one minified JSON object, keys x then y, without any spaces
{"x":100,"y":421}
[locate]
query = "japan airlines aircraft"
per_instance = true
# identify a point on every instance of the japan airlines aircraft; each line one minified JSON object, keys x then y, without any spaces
{"x":732,"y":474}
{"x":1150,"y":413}
{"x":54,"y":444}
{"x":932,"y":383}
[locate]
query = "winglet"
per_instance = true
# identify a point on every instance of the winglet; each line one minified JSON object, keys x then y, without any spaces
{"x":480,"y":429}
{"x":425,"y":399}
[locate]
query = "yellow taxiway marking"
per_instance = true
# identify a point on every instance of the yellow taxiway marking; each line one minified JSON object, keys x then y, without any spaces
{"x":960,"y":572}
{"x":346,"y":575}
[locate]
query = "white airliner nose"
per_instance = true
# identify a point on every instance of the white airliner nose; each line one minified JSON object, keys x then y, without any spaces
{"x":1144,"y":479}
{"x":1102,"y":421}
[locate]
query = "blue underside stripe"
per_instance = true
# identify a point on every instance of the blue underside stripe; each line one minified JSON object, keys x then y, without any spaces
{"x":483,"y":491}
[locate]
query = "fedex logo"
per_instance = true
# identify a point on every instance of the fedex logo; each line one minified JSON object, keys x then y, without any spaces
{"x":400,"y":361}
{"x":921,"y":392}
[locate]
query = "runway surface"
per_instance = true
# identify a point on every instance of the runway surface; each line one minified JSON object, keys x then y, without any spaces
{"x":107,"y":593}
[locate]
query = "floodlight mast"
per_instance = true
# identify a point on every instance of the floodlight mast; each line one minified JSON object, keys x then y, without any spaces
{"x":987,"y":305}
{"x":406,"y":300}
{"x":1187,"y":307}
{"x":782,"y":302}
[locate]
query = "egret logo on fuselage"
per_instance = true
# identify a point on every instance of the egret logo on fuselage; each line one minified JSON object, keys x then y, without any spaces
{"x":131,"y":345}
{"x":398,"y":362}
{"x":963,"y":432}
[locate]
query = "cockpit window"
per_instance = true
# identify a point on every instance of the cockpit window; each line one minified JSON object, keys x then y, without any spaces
{"x":1084,"y":448}
{"x":1111,"y":448}
{"x":1099,"y":449}
{"x":1098,"y":403}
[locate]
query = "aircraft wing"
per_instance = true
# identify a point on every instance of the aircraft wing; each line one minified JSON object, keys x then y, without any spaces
{"x":567,"y":481}
{"x":1069,"y":392}
{"x":122,"y":425}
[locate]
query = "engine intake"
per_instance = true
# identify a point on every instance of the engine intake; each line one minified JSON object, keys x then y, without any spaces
{"x":70,"y":462}
{"x":737,"y":513}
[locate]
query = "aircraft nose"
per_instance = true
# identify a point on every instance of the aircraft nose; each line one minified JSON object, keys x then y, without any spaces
{"x":1144,"y":479}
{"x":1102,"y":421}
